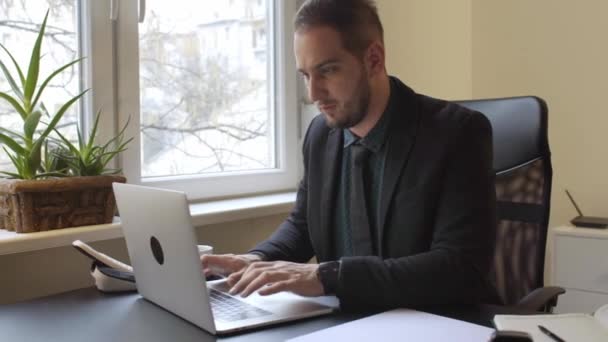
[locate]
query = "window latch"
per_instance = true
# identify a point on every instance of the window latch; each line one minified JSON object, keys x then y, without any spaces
{"x":113,"y":10}
{"x":142,"y":11}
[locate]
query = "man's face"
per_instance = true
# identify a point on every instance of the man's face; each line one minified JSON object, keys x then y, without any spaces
{"x":336,"y":80}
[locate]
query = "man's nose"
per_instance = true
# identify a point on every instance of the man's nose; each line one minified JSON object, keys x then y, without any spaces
{"x":316,"y":89}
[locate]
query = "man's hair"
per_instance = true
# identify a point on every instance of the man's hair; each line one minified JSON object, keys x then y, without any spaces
{"x":356,"y":21}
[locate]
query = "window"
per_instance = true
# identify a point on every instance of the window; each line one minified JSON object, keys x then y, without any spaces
{"x":19,"y":24}
{"x":211,"y":114}
{"x":203,"y":111}
{"x":214,"y":111}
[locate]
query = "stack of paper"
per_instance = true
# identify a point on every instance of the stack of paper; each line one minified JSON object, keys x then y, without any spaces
{"x":402,"y":325}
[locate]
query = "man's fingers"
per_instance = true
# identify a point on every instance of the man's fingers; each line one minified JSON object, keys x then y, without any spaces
{"x":247,"y":276}
{"x":219,"y":259}
{"x":273,"y":277}
{"x":222,"y":264}
{"x":261,"y":280}
{"x":239,"y":280}
{"x":276,"y":287}
{"x":210,"y":260}
{"x":252,"y":272}
{"x":235,"y":277}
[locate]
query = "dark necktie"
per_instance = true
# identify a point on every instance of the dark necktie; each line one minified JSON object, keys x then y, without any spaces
{"x":359,"y":219}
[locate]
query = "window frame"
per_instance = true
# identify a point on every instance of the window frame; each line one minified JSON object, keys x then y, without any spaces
{"x":98,"y":71}
{"x":227,"y":184}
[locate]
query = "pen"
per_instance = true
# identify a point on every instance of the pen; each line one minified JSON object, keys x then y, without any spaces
{"x":550,"y":334}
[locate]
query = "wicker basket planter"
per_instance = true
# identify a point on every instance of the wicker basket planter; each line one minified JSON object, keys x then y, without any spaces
{"x":37,"y":205}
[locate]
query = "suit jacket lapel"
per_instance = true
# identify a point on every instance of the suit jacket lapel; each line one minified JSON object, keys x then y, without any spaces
{"x":401,"y":138}
{"x":331,"y":165}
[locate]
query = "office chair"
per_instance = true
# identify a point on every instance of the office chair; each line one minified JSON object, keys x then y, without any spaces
{"x":522,"y":162}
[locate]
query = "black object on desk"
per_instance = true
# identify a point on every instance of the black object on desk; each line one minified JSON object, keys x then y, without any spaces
{"x":510,"y":336}
{"x":550,"y":334}
{"x":586,"y":221}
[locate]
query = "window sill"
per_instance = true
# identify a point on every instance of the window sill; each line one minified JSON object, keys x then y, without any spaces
{"x":202,"y":214}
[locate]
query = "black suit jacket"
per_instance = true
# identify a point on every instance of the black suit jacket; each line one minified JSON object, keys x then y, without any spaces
{"x":437,"y":209}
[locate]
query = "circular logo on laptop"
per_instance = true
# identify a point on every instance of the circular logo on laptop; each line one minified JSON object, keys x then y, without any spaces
{"x":157,"y":250}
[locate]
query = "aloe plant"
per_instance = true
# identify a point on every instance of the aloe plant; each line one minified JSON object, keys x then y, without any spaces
{"x":25,"y":148}
{"x":88,"y":158}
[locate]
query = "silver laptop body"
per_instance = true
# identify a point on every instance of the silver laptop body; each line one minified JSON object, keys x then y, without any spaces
{"x":162,"y":246}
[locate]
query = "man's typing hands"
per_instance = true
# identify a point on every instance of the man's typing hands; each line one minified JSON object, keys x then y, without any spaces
{"x":247,"y":274}
{"x":276,"y":276}
{"x":226,"y":264}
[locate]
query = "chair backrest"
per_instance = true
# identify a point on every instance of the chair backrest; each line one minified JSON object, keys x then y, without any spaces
{"x":522,"y":162}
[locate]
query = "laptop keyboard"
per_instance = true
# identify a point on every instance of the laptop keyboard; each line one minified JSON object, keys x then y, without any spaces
{"x":230,"y":309}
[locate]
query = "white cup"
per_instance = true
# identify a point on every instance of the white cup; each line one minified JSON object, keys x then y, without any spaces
{"x":204,"y":249}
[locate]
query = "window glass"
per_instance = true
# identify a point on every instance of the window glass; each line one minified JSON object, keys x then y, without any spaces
{"x":206,"y":84}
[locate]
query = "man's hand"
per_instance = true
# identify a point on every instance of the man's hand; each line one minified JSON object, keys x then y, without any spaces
{"x":225,"y":264}
{"x":277,"y":276}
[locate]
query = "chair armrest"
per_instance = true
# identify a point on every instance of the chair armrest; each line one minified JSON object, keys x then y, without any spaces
{"x":542,"y":299}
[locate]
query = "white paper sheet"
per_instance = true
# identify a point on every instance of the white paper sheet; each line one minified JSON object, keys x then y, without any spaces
{"x":401,"y":325}
{"x":570,"y":327}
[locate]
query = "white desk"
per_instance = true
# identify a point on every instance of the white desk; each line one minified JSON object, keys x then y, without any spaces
{"x":580,"y":265}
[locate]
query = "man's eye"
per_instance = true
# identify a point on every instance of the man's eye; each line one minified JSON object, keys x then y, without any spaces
{"x":328,"y":70}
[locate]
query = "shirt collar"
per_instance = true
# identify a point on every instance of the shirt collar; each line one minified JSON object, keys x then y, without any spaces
{"x":377,"y":136}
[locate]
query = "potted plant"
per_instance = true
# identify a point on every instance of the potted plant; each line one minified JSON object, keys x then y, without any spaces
{"x":56,"y":184}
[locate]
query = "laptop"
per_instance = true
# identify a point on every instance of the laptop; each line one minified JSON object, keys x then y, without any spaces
{"x":162,"y":246}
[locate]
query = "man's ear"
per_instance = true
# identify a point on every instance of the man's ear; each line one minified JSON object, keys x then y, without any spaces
{"x":375,"y":58}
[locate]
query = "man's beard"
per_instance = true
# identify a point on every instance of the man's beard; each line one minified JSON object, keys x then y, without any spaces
{"x":355,"y":109}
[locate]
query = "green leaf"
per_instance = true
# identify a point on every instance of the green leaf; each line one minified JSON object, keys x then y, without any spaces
{"x":11,"y":81}
{"x":34,"y":160}
{"x":80,"y":140}
{"x":17,"y":162}
{"x":51,"y":174}
{"x":34,"y":67}
{"x":15,"y":104}
{"x":112,"y":171}
{"x":51,"y":125}
{"x":21,"y":77}
{"x":48,"y":79}
{"x":11,"y":174}
{"x":118,"y":138}
{"x":44,"y":110}
{"x":68,"y":143}
{"x":2,"y":129}
{"x":30,"y":125}
{"x":92,"y":135}
{"x":106,"y":157}
{"x":12,"y":144}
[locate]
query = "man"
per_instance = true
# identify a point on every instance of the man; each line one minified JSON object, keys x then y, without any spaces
{"x":397,"y":201}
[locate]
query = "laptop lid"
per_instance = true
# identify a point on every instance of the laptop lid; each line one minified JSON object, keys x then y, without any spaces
{"x":162,"y":246}
{"x":163,"y":251}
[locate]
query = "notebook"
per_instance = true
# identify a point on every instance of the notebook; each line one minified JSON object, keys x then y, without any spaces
{"x":578,"y":327}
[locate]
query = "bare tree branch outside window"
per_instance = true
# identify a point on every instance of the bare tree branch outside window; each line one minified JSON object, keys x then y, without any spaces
{"x":205,"y":88}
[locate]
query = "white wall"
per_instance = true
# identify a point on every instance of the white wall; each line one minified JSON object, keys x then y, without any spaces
{"x":428,"y":45}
